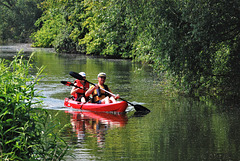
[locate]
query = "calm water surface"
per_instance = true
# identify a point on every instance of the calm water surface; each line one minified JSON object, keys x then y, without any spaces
{"x":178,"y":128}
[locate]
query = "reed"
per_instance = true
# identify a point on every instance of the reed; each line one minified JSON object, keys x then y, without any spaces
{"x":26,"y":133}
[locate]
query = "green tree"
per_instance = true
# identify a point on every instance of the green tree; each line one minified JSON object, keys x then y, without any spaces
{"x":109,"y":29}
{"x":194,"y":41}
{"x":61,"y":26}
{"x":200,"y":35}
{"x":17,"y":19}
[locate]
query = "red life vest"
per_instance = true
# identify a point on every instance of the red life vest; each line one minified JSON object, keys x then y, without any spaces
{"x":80,"y":92}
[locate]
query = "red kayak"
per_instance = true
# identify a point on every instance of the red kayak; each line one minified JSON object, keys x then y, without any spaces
{"x":112,"y":107}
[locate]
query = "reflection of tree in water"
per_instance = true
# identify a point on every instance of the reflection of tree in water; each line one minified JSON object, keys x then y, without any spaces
{"x":96,"y":124}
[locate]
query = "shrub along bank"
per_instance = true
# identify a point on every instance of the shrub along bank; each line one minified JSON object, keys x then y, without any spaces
{"x":26,"y":133}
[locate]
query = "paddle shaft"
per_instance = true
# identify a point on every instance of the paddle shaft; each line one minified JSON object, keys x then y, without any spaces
{"x":76,"y":86}
{"x":70,"y":84}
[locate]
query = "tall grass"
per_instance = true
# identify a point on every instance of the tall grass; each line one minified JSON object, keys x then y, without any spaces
{"x":26,"y":133}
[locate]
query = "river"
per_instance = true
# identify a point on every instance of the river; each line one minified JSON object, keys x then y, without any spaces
{"x":176,"y":129}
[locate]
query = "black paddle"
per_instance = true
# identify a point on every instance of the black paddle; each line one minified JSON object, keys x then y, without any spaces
{"x":138,"y":108}
{"x":69,"y":84}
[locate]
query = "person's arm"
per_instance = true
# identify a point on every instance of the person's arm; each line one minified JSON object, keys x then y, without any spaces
{"x":74,"y":90}
{"x":90,"y":90}
{"x":115,"y":96}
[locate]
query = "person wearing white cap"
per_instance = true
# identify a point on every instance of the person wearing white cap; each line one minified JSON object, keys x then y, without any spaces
{"x":79,"y":94}
{"x":100,"y":96}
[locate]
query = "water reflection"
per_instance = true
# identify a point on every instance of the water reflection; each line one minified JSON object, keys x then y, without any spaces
{"x":95,"y":123}
{"x":178,"y":128}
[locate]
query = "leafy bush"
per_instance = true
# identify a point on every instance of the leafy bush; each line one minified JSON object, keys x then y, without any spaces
{"x":26,"y":133}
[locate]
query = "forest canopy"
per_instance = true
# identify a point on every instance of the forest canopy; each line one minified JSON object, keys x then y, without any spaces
{"x":17,"y":19}
{"x":196,"y":44}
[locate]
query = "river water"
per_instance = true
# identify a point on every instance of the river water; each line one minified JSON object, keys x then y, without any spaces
{"x":177,"y":128}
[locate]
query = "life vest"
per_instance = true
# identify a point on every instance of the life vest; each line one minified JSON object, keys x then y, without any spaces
{"x":99,"y":94}
{"x":80,"y":92}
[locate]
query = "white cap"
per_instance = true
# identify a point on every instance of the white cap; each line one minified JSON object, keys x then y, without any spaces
{"x":102,"y":74}
{"x":83,"y":74}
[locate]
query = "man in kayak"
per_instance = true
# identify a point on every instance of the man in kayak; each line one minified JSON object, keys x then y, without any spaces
{"x":100,"y":96}
{"x":79,"y":94}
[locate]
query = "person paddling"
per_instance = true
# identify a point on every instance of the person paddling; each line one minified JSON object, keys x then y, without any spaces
{"x":100,"y":96}
{"x":79,"y":94}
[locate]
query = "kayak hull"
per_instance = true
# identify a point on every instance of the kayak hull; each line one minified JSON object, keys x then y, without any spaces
{"x":112,"y":107}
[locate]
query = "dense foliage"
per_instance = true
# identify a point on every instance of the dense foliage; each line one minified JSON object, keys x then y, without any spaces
{"x":194,"y":42}
{"x":26,"y":133}
{"x":17,"y":19}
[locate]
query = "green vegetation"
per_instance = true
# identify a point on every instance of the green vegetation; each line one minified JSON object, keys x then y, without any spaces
{"x":26,"y":133}
{"x":17,"y":19}
{"x":195,"y":44}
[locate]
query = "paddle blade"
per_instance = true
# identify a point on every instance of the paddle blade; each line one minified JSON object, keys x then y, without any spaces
{"x":66,"y":83}
{"x":76,"y":75}
{"x":79,"y":77}
{"x":140,"y":108}
{"x":140,"y":113}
